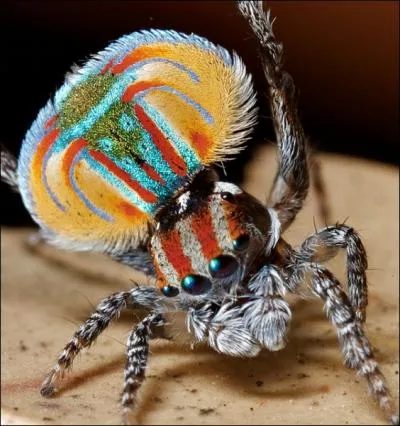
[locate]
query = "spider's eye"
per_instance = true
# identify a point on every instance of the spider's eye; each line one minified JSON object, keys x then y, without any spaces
{"x":196,"y":284}
{"x":170,"y":291}
{"x":227,"y":196}
{"x":241,"y":242}
{"x":222,"y":266}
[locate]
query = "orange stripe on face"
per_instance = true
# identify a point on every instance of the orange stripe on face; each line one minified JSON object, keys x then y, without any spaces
{"x":201,"y":143}
{"x":143,"y":193}
{"x":172,"y":247}
{"x":43,"y":146}
{"x":234,"y":219}
{"x":71,"y":152}
{"x":203,"y":228}
{"x":136,"y":55}
{"x":135,"y":88}
{"x":176,"y":163}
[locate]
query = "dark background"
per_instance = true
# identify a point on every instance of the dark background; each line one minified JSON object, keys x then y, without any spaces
{"x":343,"y":56}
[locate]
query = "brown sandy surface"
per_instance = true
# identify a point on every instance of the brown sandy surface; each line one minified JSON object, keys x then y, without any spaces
{"x":45,"y":298}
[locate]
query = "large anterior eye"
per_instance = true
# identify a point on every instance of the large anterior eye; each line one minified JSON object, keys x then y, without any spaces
{"x":222,"y":266}
{"x":196,"y":284}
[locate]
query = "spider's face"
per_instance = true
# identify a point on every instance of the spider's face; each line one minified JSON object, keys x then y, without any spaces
{"x":209,"y":242}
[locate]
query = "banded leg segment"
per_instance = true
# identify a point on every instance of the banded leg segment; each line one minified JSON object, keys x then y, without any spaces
{"x":137,"y":356}
{"x":324,"y":245}
{"x":355,"y":346}
{"x":108,"y":310}
{"x":292,"y":180}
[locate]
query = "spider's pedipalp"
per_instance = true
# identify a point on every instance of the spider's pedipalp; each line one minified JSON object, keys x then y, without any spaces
{"x":106,"y":311}
{"x":324,"y":244}
{"x":267,"y":315}
{"x":291,"y":182}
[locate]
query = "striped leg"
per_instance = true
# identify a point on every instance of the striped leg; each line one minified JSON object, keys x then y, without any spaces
{"x":318,"y":183}
{"x":137,"y":355}
{"x":356,"y":348}
{"x":9,"y":169}
{"x":324,"y":244}
{"x":107,"y":310}
{"x":292,"y":180}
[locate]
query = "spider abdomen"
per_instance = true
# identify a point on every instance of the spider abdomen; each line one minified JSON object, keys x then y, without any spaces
{"x":128,"y":130}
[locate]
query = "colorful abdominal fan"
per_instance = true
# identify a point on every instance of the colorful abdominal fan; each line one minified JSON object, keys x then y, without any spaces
{"x":127,"y":131}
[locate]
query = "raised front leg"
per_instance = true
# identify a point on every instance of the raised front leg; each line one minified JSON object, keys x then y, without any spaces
{"x":324,"y":244}
{"x":105,"y":312}
{"x":291,"y":183}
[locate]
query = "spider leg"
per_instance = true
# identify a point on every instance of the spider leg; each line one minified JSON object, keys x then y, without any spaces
{"x":136,"y":363}
{"x":8,"y":168}
{"x":324,"y":244}
{"x":291,"y":183}
{"x":106,"y":311}
{"x":267,"y":316}
{"x":355,"y":346}
{"x":318,"y":183}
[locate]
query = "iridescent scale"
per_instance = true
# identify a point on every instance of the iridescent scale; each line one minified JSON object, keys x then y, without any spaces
{"x":129,"y":129}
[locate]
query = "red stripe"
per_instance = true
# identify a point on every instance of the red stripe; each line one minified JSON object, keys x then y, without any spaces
{"x":202,"y":226}
{"x":43,"y":146}
{"x":201,"y":143}
{"x":135,"y":88}
{"x":143,"y":193}
{"x":50,"y":122}
{"x":152,"y":173}
{"x":71,"y":152}
{"x":107,"y":66}
{"x":129,"y":209}
{"x":166,"y":149}
{"x":172,"y":247}
{"x":137,"y":55}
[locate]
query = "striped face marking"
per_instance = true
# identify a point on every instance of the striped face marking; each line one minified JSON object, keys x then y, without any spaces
{"x":203,"y":245}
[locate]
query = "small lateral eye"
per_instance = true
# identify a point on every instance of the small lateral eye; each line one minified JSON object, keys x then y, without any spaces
{"x":222,"y":266}
{"x":241,"y":242}
{"x":170,"y":291}
{"x":196,"y":284}
{"x":227,"y":196}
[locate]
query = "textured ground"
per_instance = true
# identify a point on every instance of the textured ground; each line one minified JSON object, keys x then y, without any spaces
{"x":44,"y":298}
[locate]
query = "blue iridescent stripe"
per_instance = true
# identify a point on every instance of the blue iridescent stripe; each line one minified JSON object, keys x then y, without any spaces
{"x":185,"y":151}
{"x":130,"y":166}
{"x":99,"y":212}
{"x":203,"y":112}
{"x":46,"y":183}
{"x":114,"y":181}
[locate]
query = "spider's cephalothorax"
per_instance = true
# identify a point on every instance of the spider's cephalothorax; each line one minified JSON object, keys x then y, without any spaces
{"x":121,"y":161}
{"x":207,"y":245}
